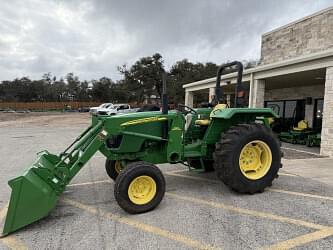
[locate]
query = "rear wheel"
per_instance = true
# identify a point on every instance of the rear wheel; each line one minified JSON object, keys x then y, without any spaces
{"x":247,"y":158}
{"x":113,"y":168}
{"x":139,"y":188}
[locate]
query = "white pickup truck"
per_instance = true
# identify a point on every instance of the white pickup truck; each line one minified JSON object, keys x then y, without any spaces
{"x":116,"y":109}
{"x":94,"y":110}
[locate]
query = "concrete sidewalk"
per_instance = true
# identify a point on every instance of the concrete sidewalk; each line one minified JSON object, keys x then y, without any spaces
{"x":319,"y":169}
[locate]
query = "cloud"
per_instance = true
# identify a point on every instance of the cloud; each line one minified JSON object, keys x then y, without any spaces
{"x":91,"y":38}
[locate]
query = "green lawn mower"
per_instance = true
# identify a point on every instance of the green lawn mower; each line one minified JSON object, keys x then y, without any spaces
{"x":313,"y":140}
{"x":297,"y":135}
{"x":236,"y":142}
{"x":301,"y":134}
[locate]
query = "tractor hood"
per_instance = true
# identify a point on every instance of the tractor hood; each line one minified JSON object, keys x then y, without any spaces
{"x":116,"y":121}
{"x":130,"y":115}
{"x":230,"y":112}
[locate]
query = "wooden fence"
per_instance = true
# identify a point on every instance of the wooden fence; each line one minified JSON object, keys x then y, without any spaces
{"x":46,"y":105}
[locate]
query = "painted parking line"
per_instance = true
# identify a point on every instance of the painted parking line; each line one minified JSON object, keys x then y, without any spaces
{"x":182,"y":171}
{"x":239,"y":210}
{"x":3,"y":211}
{"x":302,"y":240}
{"x":302,"y":151}
{"x":10,"y":241}
{"x":301,"y":194}
{"x":286,"y":174}
{"x":174,"y":173}
{"x":246,"y":211}
{"x":177,"y":173}
{"x":323,"y":231}
{"x":87,"y":183}
{"x":139,"y":225}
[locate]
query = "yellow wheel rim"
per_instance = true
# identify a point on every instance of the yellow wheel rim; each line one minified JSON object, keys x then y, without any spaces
{"x":142,"y":190}
{"x":117,"y":167}
{"x":255,"y":160}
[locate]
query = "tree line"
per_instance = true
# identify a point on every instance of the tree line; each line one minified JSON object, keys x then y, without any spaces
{"x":140,"y":82}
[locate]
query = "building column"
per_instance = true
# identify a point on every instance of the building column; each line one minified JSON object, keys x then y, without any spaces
{"x":257,"y":93}
{"x":211,"y":94}
{"x":189,"y":98}
{"x":326,"y":147}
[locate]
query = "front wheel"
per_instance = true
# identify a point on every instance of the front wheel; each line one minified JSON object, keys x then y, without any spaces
{"x":113,"y":168}
{"x":247,"y":158}
{"x":139,"y":188}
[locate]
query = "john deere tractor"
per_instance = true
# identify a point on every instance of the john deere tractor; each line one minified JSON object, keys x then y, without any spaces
{"x":235,"y":142}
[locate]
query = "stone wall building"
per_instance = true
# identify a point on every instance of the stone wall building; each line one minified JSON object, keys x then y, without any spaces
{"x":306,"y":36}
{"x":294,"y":76}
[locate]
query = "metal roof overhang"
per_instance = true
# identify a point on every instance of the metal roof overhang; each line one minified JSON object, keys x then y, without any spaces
{"x":300,"y":64}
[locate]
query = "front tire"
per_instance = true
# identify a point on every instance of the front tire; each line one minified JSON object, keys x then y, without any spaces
{"x":139,"y":188}
{"x":113,"y":168}
{"x":247,"y":158}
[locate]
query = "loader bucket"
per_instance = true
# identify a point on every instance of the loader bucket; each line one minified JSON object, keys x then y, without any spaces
{"x":35,"y":193}
{"x":32,"y":196}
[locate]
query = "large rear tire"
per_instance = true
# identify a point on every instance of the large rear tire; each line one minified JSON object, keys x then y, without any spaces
{"x":139,"y":188}
{"x":247,"y":158}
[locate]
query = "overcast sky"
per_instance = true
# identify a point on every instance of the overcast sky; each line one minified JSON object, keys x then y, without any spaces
{"x":90,"y":38}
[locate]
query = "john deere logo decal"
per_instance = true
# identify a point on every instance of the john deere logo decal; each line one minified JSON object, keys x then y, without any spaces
{"x":144,"y":120}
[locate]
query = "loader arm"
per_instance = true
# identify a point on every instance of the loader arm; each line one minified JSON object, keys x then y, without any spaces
{"x":47,"y":178}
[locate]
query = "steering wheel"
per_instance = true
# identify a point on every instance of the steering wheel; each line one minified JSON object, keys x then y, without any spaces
{"x":186,"y":109}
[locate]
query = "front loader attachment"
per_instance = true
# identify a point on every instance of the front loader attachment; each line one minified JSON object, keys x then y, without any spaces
{"x":35,"y":193}
{"x":32,"y":198}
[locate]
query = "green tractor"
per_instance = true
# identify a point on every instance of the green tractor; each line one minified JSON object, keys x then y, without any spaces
{"x":236,"y":142}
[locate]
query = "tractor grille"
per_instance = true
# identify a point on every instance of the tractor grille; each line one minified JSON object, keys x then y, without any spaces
{"x":114,"y":141}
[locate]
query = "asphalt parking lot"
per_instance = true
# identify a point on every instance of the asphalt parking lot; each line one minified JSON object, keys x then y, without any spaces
{"x":197,"y":212}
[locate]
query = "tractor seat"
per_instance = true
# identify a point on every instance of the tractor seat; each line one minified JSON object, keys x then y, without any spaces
{"x":206,"y":122}
{"x":301,"y":125}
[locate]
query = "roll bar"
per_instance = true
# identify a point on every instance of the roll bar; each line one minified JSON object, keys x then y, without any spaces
{"x":218,"y":89}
